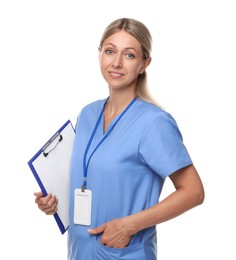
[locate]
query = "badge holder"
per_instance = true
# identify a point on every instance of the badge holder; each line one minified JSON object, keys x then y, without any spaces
{"x":82,"y":206}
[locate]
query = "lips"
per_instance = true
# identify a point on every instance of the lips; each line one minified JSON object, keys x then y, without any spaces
{"x":115,"y":74}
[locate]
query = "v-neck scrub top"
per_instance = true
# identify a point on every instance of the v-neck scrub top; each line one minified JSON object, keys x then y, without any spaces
{"x":125,"y":174}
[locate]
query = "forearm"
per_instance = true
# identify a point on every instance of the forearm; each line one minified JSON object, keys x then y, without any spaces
{"x":171,"y":207}
{"x":189,"y":193}
{"x":122,"y":229}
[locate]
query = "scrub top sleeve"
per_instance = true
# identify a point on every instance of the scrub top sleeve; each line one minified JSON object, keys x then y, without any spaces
{"x":161,"y":147}
{"x":77,"y":121}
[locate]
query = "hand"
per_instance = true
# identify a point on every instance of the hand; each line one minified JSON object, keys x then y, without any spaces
{"x":47,"y":204}
{"x":116,"y":233}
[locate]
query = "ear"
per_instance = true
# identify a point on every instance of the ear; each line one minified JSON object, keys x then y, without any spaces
{"x":145,"y":65}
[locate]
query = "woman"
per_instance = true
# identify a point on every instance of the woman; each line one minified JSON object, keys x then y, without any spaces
{"x":125,"y":147}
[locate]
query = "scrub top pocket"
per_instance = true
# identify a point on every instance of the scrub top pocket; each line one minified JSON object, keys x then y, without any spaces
{"x":135,"y":251}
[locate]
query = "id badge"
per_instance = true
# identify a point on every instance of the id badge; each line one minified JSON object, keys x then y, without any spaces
{"x":82,"y":207}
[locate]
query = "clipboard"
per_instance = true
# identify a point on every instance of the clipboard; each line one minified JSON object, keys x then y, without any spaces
{"x":51,"y":169}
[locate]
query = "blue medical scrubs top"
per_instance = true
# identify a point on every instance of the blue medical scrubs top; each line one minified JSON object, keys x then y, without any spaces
{"x":126,"y":175}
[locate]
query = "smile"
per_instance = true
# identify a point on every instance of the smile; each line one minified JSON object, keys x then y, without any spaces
{"x":115,"y":74}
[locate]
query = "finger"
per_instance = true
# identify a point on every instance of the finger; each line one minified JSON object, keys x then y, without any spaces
{"x":50,"y":203}
{"x":38,"y":194}
{"x":51,"y":211}
{"x":97,"y":230}
{"x":43,"y":200}
{"x":47,"y":203}
{"x":50,"y":208}
{"x":116,"y":242}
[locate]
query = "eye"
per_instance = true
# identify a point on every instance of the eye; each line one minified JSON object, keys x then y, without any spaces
{"x":109,"y":51}
{"x":130,"y":56}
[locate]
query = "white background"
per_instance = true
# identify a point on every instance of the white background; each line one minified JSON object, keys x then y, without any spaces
{"x":49,"y":70}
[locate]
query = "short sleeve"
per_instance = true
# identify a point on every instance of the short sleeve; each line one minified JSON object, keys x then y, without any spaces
{"x":77,"y":122}
{"x":162,"y":148}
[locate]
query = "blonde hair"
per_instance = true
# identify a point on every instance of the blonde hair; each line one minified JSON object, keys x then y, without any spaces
{"x":139,"y":31}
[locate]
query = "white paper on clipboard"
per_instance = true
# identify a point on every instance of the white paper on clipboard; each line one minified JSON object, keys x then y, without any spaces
{"x":51,"y":168}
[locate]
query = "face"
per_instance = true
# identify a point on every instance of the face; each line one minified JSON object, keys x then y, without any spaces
{"x":121,"y":60}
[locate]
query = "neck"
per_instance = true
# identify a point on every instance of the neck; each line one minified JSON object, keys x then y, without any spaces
{"x":115,"y":105}
{"x":118,"y":102}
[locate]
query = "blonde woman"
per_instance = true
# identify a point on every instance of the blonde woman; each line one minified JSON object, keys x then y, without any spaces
{"x":125,"y":148}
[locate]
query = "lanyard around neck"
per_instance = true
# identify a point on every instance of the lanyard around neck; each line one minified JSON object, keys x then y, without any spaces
{"x":85,"y":165}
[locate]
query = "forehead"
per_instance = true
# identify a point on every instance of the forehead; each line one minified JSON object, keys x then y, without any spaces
{"x":122,"y":39}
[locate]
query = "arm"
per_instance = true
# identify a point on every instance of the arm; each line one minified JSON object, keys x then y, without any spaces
{"x":188,"y":194}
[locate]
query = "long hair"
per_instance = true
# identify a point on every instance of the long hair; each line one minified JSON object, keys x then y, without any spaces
{"x":141,"y":33}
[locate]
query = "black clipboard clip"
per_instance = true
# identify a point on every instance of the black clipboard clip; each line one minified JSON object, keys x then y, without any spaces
{"x":50,"y":142}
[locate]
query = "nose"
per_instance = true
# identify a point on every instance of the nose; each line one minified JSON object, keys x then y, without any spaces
{"x":117,"y":62}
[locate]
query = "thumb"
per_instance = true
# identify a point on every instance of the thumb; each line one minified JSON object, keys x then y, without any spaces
{"x":97,"y":230}
{"x":38,"y":194}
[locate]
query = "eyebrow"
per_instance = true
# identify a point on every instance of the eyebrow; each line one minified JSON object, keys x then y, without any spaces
{"x":127,"y":48}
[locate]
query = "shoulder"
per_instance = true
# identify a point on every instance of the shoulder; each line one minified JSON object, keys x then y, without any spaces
{"x":93,"y":106}
{"x":152,"y":113}
{"x":90,"y":112}
{"x":155,"y":121}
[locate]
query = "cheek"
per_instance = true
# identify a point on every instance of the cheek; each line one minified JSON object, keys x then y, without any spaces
{"x":137,"y":70}
{"x":103,"y":67}
{"x":104,"y":61}
{"x":102,"y":64}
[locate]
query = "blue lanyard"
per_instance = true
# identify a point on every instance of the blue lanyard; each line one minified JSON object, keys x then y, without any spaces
{"x":85,"y":165}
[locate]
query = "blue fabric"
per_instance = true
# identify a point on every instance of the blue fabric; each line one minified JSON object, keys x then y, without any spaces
{"x":126,"y":175}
